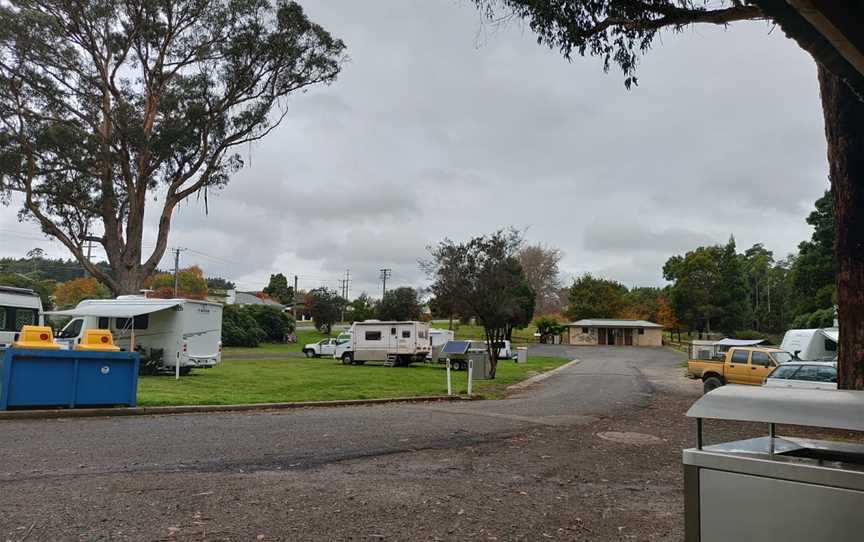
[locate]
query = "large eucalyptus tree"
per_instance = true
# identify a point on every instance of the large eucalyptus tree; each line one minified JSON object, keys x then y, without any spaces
{"x":108,"y":107}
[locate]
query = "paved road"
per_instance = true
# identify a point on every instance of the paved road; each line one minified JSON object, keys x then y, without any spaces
{"x":604,"y":381}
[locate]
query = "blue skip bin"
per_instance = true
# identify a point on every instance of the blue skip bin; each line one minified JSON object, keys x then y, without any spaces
{"x":67,"y":378}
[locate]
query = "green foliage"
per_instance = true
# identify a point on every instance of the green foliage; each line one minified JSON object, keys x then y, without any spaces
{"x":239,"y":327}
{"x":41,"y":268}
{"x":115,"y":101}
{"x":400,"y":304}
{"x":362,"y":308}
{"x":732,"y":294}
{"x":324,"y":306}
{"x":816,"y":319}
{"x":218,"y":283}
{"x":549,"y":327}
{"x":272,"y":321}
{"x":279,"y":290}
{"x":591,"y":297}
{"x":812,"y":273}
{"x":484,"y":277}
{"x":748,"y":335}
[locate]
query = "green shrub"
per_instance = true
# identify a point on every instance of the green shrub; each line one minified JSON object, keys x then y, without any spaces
{"x":272,"y":321}
{"x":239,"y":327}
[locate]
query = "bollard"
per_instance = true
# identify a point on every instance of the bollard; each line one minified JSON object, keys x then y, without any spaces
{"x":449,"y":380}
{"x":470,"y":375}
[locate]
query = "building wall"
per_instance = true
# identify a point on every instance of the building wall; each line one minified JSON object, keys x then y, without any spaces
{"x":576,"y":337}
{"x":651,"y":337}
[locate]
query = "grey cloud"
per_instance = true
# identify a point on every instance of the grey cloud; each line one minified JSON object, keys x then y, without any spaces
{"x":441,"y":126}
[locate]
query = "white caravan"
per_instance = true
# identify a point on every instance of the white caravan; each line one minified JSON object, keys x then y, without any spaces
{"x":812,"y":344}
{"x":18,"y":307}
{"x":437,"y":339}
{"x":395,"y":343}
{"x":188,"y":332}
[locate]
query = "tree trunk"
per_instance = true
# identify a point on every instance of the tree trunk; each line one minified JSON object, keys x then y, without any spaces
{"x":844,"y":130}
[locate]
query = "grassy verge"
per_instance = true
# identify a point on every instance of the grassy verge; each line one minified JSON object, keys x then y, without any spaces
{"x":269,"y":381}
{"x":475,"y":332}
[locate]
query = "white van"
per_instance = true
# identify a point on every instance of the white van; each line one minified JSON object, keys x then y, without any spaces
{"x":395,"y":343}
{"x":812,"y":344}
{"x":18,"y":307}
{"x":188,"y":332}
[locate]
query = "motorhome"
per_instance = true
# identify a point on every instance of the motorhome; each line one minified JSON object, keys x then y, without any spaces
{"x":395,"y":343}
{"x":812,"y":344}
{"x":182,"y":333}
{"x":18,"y":307}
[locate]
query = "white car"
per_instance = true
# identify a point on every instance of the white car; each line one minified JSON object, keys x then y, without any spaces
{"x":322,"y":348}
{"x":814,"y":375}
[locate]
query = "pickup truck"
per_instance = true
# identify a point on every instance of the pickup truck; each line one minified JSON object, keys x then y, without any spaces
{"x":747,"y":366}
{"x":323,"y":348}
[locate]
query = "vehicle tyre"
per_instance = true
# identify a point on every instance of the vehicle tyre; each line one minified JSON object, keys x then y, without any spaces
{"x":456,"y":365}
{"x":347,"y":358}
{"x":185,"y":371}
{"x":309,"y":353}
{"x":711,"y":383}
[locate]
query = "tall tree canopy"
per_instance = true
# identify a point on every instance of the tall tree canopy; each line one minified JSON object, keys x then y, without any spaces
{"x":592,"y":297}
{"x":485,"y":274}
{"x":279,"y":290}
{"x":619,"y":31}
{"x":106,"y":106}
{"x":401,"y":303}
{"x":540,"y":264}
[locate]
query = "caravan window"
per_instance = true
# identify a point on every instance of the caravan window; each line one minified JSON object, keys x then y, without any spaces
{"x":3,"y":319}
{"x":24,"y":317}
{"x":104,"y":322}
{"x":830,"y":345}
{"x":373,"y":335}
{"x":406,"y":334}
{"x":142,"y":321}
{"x":392,"y":331}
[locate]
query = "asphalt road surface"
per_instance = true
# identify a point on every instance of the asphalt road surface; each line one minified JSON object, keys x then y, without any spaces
{"x":52,"y":472}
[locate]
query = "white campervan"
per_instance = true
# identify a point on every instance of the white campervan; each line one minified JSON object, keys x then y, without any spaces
{"x":187,"y":332}
{"x":395,"y":343}
{"x":812,"y":344}
{"x":18,"y":307}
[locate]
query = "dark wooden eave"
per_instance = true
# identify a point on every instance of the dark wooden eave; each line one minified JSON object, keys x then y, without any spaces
{"x":832,"y":31}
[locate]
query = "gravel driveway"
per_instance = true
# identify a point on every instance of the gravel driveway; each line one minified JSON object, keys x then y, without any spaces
{"x":437,"y":471}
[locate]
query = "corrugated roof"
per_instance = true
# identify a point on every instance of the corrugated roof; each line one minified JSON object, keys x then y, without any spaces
{"x":610,"y":322}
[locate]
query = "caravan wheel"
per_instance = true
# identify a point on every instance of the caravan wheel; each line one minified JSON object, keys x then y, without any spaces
{"x":347,"y":358}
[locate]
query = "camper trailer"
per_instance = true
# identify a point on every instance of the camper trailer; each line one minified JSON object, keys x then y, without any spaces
{"x":437,"y":339}
{"x":395,"y":343}
{"x":183,"y":333}
{"x":812,"y":344}
{"x":18,"y":307}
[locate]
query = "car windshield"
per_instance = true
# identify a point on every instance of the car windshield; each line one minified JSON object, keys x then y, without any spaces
{"x":782,"y":357}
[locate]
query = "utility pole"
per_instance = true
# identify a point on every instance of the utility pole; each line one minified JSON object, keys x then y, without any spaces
{"x":294,"y":305}
{"x":89,"y":239}
{"x":385,"y":274}
{"x":176,"y":268}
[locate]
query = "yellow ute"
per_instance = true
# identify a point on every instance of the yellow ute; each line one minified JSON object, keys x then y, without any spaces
{"x":741,"y":365}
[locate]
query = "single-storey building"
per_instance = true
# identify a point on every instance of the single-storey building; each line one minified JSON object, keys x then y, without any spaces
{"x":604,"y":331}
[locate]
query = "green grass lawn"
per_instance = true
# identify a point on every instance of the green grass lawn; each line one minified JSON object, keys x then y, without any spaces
{"x":304,"y":337}
{"x":270,"y":381}
{"x":475,"y":332}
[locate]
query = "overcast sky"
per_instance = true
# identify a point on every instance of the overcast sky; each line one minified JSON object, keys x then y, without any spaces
{"x":440,"y":126}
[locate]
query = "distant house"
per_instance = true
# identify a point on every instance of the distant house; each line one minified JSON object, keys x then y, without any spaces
{"x":250,"y":298}
{"x":604,"y":331}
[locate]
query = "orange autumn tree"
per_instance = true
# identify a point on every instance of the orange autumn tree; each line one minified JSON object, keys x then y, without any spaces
{"x":190,"y":284}
{"x":68,"y":294}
